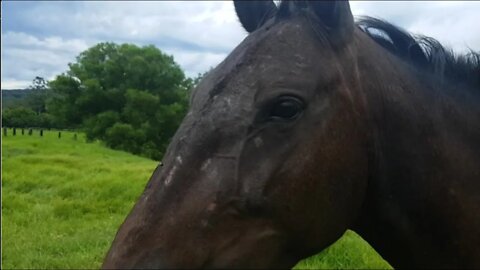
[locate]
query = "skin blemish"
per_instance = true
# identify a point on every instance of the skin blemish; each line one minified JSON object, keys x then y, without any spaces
{"x":229,"y":101}
{"x":258,"y":142}
{"x":213,"y":174}
{"x":211,"y":207}
{"x":205,"y":164}
{"x":179,"y":159}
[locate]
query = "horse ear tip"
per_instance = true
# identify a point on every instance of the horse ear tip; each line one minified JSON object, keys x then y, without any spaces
{"x":252,"y":14}
{"x":337,"y":17}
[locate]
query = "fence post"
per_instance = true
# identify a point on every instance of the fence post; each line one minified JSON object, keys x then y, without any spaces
{"x":30,"y":131}
{"x":14,"y":131}
{"x":41,"y":132}
{"x":75,"y":136}
{"x":59,"y":134}
{"x":4,"y":131}
{"x":23,"y":131}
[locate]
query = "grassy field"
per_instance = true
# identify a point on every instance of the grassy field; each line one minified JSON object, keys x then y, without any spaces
{"x":63,"y":200}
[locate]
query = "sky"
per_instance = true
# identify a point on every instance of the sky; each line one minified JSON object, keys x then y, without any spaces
{"x":40,"y":38}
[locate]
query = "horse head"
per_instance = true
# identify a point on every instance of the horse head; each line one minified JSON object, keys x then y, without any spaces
{"x":270,"y":163}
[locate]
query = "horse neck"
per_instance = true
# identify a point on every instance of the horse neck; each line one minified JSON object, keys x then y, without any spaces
{"x":422,"y":203}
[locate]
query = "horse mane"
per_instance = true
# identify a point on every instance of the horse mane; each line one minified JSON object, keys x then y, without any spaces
{"x":424,"y":52}
{"x":421,"y":51}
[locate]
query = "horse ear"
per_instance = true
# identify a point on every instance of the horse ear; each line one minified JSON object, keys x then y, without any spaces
{"x":253,"y":14}
{"x":336,"y":16}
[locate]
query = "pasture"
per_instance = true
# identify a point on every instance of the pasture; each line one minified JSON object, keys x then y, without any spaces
{"x":64,"y":199}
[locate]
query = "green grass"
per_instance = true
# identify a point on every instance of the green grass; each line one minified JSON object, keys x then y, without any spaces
{"x":349,"y":252}
{"x":64,"y":199}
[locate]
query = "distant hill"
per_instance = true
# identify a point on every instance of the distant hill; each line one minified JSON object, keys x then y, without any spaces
{"x":13,"y":97}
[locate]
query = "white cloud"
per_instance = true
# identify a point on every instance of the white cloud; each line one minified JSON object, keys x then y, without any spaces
{"x":196,"y":62}
{"x":52,"y":43}
{"x":198,"y":34}
{"x":14,"y":84}
{"x":25,"y":56}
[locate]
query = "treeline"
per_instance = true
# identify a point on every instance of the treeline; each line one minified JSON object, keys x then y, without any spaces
{"x":26,"y":108}
{"x":132,"y":98}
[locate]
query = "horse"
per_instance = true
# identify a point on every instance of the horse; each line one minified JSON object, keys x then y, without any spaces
{"x":312,"y":125}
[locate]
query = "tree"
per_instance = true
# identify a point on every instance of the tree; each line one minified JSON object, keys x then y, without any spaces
{"x":37,"y":98}
{"x":38,"y":83}
{"x":96,"y":127}
{"x":19,"y":117}
{"x":30,"y":109}
{"x":124,"y":137}
{"x":131,"y":97}
{"x":62,"y":104}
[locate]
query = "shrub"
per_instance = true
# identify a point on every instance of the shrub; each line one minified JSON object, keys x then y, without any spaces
{"x":96,"y":126}
{"x":19,"y":117}
{"x":124,"y":137}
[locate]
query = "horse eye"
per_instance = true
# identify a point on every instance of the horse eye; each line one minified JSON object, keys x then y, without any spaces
{"x":286,"y":108}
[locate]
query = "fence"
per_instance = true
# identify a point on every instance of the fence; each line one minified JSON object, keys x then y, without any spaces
{"x":39,"y":131}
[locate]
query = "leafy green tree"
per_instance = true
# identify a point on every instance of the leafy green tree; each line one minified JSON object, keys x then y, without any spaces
{"x":96,"y":126}
{"x":39,"y":83}
{"x":19,"y":117}
{"x":131,"y":97}
{"x":45,"y":120}
{"x":124,"y":137}
{"x":37,"y":98}
{"x":26,"y":117}
{"x":62,"y":104}
{"x":135,"y":99}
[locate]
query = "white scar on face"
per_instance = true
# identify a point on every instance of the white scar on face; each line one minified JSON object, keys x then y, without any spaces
{"x":168,"y":180}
